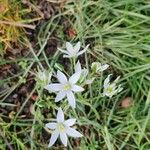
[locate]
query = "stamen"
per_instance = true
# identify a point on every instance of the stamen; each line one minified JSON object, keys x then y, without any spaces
{"x":109,"y":89}
{"x":61,"y":127}
{"x":67,"y":87}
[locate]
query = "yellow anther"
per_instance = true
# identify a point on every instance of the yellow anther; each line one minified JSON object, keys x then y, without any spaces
{"x":67,"y":87}
{"x":61,"y":127}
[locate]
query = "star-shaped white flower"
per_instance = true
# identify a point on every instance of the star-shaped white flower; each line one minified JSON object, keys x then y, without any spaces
{"x":98,"y":67}
{"x":111,"y":89}
{"x":73,"y":51}
{"x":66,"y":87}
{"x":62,"y":129}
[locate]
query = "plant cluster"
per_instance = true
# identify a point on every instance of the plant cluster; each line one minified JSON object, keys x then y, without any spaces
{"x":70,"y":87}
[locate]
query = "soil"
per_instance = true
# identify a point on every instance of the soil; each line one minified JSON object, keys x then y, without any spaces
{"x":9,"y":70}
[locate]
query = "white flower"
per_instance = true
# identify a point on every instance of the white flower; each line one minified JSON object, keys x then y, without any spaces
{"x":98,"y":67}
{"x":66,"y":87}
{"x":111,"y":89}
{"x":73,"y":51}
{"x":62,"y":129}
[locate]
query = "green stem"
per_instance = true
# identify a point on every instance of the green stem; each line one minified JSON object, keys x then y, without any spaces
{"x":34,"y":120}
{"x":73,"y":64}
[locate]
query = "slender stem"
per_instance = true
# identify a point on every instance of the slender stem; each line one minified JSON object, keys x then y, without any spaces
{"x":18,"y":24}
{"x":6,"y":141}
{"x":34,"y":120}
{"x":25,"y":102}
{"x":87,"y":66}
{"x":73,"y":63}
{"x":34,"y":7}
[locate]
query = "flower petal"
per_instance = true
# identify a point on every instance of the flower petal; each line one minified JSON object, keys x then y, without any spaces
{"x":73,"y":133}
{"x":84,"y":50}
{"x":75,"y":77}
{"x":116,"y":80}
{"x":70,"y":48}
{"x":77,"y":88}
{"x":71,"y":99}
{"x":60,"y":115}
{"x":106,"y":81}
{"x":90,"y":81}
{"x":51,"y":125}
{"x":63,"y":51}
{"x":67,"y":56}
{"x":78,"y":67}
{"x":53,"y":87}
{"x":63,"y":138}
{"x":70,"y":122}
{"x":77,"y":47}
{"x":60,"y":96}
{"x":104,"y":67}
{"x":61,"y":77}
{"x":119,"y":88}
{"x":53,"y":138}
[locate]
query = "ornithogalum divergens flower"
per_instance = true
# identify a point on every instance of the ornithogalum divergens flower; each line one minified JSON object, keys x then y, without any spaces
{"x":111,"y":89}
{"x":66,"y":87}
{"x":73,"y":51}
{"x":62,"y":129}
{"x":98,"y":67}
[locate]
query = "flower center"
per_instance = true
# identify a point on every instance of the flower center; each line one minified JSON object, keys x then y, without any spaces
{"x":67,"y":87}
{"x":61,"y":127}
{"x":109,"y":89}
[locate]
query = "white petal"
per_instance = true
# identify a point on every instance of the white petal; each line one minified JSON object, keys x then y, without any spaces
{"x":104,"y":67}
{"x":77,"y":88}
{"x":106,"y":81}
{"x":84,"y":50}
{"x":60,"y":115}
{"x":63,"y":138}
{"x":61,"y":77}
{"x":114,"y":92}
{"x":70,"y":122}
{"x":78,"y":67}
{"x":119,"y":88}
{"x":113,"y":86}
{"x":71,"y":99}
{"x":77,"y":47}
{"x":85,"y":72}
{"x":90,"y":81}
{"x":53,"y":87}
{"x":70,"y":48}
{"x":116,"y":80}
{"x":75,"y":77}
{"x":51,"y":125}
{"x":60,"y":96}
{"x":111,"y":94}
{"x":67,"y":56}
{"x":73,"y":133}
{"x":104,"y":93}
{"x":63,"y":51}
{"x":53,"y":138}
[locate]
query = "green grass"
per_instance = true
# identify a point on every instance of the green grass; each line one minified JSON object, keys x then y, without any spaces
{"x":119,"y":34}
